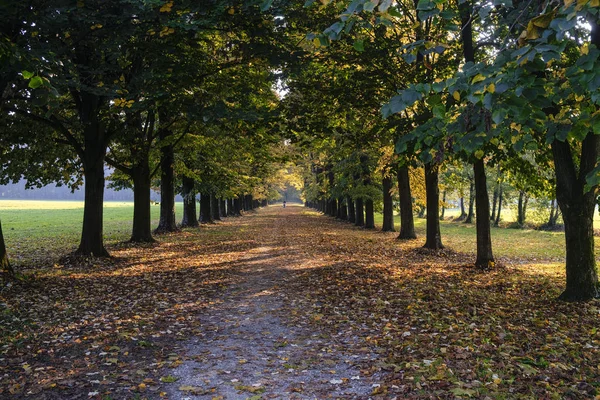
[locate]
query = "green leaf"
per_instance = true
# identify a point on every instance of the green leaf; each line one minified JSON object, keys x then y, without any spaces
{"x":266,"y":4}
{"x":424,"y":5}
{"x":27,"y":74}
{"x":370,"y":6}
{"x":359,"y":45}
{"x":36,"y":82}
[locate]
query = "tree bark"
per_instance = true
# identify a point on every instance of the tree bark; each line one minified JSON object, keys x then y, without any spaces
{"x":360,"y":214}
{"x":214,"y":207}
{"x":238,"y":202}
{"x":230,"y":208}
{"x":463,"y":213}
{"x":499,"y":212}
{"x":407,"y":221}
{"x":93,"y":163}
{"x":469,"y":219}
{"x":166,"y":222}
{"x":5,"y":267}
{"x":521,"y":206}
{"x":223,"y":208}
{"x":494,"y":202}
{"x":433,"y":239}
{"x":190,"y":220}
{"x":485,"y":257}
{"x":351,"y":210}
{"x":343,"y":210}
{"x":141,"y":231}
{"x":388,"y":205}
{"x":369,"y":214}
{"x":577,"y":206}
{"x":205,"y":210}
{"x":443,"y":206}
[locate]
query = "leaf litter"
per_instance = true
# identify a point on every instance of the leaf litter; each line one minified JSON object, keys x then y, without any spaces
{"x":286,"y":303}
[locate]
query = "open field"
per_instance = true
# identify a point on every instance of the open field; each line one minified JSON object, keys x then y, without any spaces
{"x":36,"y":231}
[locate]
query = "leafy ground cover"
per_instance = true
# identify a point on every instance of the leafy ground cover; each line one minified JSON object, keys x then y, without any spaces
{"x":122,"y":327}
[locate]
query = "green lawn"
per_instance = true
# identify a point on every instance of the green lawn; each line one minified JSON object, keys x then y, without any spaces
{"x":527,"y":244}
{"x":36,"y":229}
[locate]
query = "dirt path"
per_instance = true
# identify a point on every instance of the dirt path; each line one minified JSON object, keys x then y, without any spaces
{"x":253,"y":347}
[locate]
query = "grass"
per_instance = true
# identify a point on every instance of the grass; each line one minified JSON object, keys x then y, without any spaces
{"x":36,"y":230}
{"x":525,"y":244}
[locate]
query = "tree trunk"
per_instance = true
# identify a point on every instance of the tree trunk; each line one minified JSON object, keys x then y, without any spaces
{"x":343,"y":210}
{"x":238,"y":202}
{"x":434,"y":238}
{"x":388,"y":205}
{"x":5,"y":267}
{"x":469,"y":219}
{"x":230,"y":208}
{"x":190,"y":219}
{"x":166,"y":222}
{"x":499,"y":212}
{"x":91,"y":234}
{"x":332,"y":205}
{"x":577,"y":206}
{"x":520,"y":218}
{"x":214,"y":207}
{"x":369,"y":214}
{"x":360,"y":213}
{"x":142,"y":231}
{"x":351,"y":210}
{"x":443,"y":205}
{"x":485,"y":257}
{"x":407,"y":221}
{"x":223,"y":208}
{"x":494,"y":202}
{"x":463,"y":213}
{"x":205,"y":211}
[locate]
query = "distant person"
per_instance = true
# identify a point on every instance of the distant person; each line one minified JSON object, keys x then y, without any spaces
{"x":284,"y":204}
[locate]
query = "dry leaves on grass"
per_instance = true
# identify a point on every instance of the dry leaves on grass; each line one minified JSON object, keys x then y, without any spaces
{"x":445,"y":330}
{"x":97,"y":327}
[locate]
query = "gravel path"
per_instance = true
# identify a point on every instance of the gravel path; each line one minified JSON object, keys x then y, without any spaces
{"x":250,"y":349}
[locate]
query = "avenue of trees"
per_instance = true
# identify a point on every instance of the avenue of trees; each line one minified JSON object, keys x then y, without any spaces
{"x":403,"y":103}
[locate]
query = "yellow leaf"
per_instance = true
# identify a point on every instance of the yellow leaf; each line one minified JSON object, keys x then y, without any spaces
{"x":166,"y":7}
{"x":479,"y":154}
{"x":491,"y":88}
{"x":456,"y":95}
{"x":568,"y":2}
{"x":67,"y":35}
{"x":543,"y":21}
{"x":231,"y":11}
{"x":316,"y":42}
{"x":585,"y":49}
{"x":594,"y":3}
{"x":532,"y":31}
{"x":100,"y":84}
{"x":416,"y":25}
{"x":478,"y":78}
